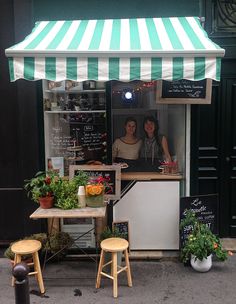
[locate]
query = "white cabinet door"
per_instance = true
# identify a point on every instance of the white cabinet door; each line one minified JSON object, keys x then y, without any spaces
{"x":152,"y":209}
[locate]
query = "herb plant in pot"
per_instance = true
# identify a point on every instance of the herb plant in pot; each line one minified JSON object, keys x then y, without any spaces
{"x":40,"y":188}
{"x":65,"y":191}
{"x":201,"y":244}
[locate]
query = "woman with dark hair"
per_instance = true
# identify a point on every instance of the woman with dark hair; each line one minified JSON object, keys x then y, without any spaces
{"x":155,"y":147}
{"x":127,"y":148}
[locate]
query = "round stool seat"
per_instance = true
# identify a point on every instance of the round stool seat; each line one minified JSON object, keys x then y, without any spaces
{"x":114,"y":244}
{"x":26,"y":246}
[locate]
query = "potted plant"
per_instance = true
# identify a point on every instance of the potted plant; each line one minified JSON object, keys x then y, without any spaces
{"x":40,"y":188}
{"x":65,"y":191}
{"x":201,"y":244}
{"x":57,"y":245}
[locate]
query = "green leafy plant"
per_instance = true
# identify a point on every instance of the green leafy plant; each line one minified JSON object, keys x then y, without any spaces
{"x":65,"y":191}
{"x":58,"y":243}
{"x":108,"y":233}
{"x":201,"y":242}
{"x":41,"y":185}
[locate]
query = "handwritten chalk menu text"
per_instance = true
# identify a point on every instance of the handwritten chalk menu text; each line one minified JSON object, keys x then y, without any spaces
{"x":77,"y":137}
{"x":205,"y":208}
{"x":184,"y":89}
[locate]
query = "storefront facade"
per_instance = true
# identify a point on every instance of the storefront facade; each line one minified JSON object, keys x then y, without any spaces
{"x":39,"y":142}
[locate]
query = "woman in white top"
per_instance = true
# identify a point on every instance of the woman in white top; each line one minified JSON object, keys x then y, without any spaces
{"x":126,"y":148}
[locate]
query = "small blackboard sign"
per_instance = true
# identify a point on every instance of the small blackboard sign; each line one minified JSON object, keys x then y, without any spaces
{"x":112,"y":175}
{"x":122,"y":227}
{"x":184,"y":89}
{"x":206,"y":210}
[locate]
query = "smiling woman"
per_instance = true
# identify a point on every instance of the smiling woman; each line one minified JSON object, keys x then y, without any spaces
{"x":126,"y":148}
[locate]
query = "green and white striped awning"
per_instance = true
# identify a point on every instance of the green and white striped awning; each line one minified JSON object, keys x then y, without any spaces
{"x":120,"y":49}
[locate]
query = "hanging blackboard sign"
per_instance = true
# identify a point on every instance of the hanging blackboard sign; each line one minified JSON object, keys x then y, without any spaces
{"x":184,"y":91}
{"x":111,"y":173}
{"x":206,"y":210}
{"x":122,"y":227}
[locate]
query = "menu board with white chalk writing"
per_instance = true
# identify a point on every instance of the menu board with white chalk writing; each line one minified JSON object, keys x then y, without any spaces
{"x":205,"y":208}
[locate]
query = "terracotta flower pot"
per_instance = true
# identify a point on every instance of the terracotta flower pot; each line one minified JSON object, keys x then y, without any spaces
{"x":46,"y":202}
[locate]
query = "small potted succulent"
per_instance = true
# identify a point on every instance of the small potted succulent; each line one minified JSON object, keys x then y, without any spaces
{"x":201,"y":244}
{"x":40,"y":188}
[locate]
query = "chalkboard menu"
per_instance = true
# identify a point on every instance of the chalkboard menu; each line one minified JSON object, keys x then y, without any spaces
{"x":112,"y":175}
{"x":184,"y":91}
{"x":88,"y":130}
{"x":205,"y":208}
{"x":77,"y":137}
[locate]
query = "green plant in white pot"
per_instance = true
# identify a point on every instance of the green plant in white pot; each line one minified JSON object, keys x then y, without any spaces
{"x":201,"y":244}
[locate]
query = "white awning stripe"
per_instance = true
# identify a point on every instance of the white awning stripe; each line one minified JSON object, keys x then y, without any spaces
{"x":163,"y":36}
{"x":87,"y":37}
{"x":65,"y":42}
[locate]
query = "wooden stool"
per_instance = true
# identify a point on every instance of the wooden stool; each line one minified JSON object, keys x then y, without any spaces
{"x":29,"y":247}
{"x":114,"y":245}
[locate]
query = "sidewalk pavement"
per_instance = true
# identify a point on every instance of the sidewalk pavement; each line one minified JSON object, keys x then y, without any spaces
{"x":163,"y":281}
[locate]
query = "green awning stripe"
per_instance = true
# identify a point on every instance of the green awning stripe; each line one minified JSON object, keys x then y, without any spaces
{"x":156,"y":68}
{"x":71,"y":68}
{"x":174,"y":39}
{"x":114,"y":68}
{"x":50,"y":68}
{"x":178,"y":68}
{"x":11,"y":68}
{"x":153,"y":36}
{"x":134,"y":35}
{"x":115,"y":35}
{"x":93,"y":68}
{"x":135,"y":65}
{"x":33,"y":44}
{"x":218,"y":68}
{"x":199,"y":68}
{"x":191,"y":34}
{"x":29,"y":68}
{"x":97,"y":34}
{"x":78,"y":35}
{"x":60,"y":35}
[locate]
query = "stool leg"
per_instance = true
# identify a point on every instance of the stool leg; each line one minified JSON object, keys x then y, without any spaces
{"x":128,"y":268}
{"x":101,"y":262}
{"x":39,"y":273}
{"x":17,"y":259}
{"x":114,"y":274}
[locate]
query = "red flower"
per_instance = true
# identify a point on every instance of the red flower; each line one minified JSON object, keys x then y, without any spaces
{"x":47,"y":180}
{"x":215,"y":245}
